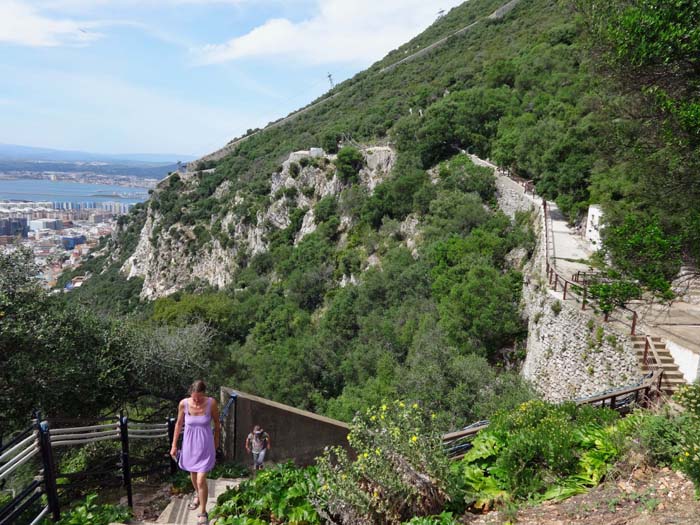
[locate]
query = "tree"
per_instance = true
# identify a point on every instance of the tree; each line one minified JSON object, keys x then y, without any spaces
{"x":349,"y":163}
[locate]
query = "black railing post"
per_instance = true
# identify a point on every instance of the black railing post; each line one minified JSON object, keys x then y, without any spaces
{"x":171,"y":435}
{"x":126,"y":467}
{"x":49,"y":469}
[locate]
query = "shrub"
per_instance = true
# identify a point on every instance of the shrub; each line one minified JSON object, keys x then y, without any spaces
{"x":689,"y":458}
{"x":399,"y":472}
{"x":556,"y":307}
{"x":304,"y":161}
{"x":325,"y":209}
{"x":641,"y":248}
{"x":90,"y":513}
{"x":349,"y":163}
{"x":610,"y":295}
{"x":294,"y":170}
{"x":539,"y":451}
{"x":658,"y":435}
{"x":277,"y":495}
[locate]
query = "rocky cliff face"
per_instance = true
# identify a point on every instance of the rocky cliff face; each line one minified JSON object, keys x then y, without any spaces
{"x":167,"y":260}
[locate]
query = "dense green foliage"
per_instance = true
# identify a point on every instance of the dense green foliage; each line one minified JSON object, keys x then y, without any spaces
{"x":349,"y":162}
{"x":649,"y":51}
{"x":399,"y":472}
{"x":91,"y":513}
{"x":66,"y":351}
{"x":412,"y":325}
{"x":277,"y":495}
{"x":539,"y":451}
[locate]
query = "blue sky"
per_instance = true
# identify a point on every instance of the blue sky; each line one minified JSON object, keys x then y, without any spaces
{"x":181,"y":76}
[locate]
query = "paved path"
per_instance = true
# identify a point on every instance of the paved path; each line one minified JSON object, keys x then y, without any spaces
{"x":678,"y":321}
{"x":569,"y":251}
{"x":177,"y":513}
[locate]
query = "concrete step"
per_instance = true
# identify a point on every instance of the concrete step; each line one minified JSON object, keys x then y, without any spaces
{"x":663,"y":356}
{"x":642,"y":346}
{"x":673,"y":379}
{"x":177,"y":513}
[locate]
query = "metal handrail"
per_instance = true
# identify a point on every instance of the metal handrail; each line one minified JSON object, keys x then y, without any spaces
{"x":19,"y":437}
{"x":649,"y":345}
{"x":112,"y":435}
{"x":12,"y":451}
{"x":569,"y":286}
{"x":18,"y":461}
{"x":55,"y":431}
{"x":84,"y":435}
{"x":451,"y":438}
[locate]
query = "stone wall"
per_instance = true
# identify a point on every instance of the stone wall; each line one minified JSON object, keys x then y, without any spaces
{"x":511,"y":197}
{"x":295,"y":434}
{"x":571,"y":353}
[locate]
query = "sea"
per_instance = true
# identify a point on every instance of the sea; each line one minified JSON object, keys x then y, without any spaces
{"x":61,"y":191}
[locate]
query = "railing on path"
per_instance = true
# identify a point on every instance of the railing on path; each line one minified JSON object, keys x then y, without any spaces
{"x":622,"y":399}
{"x":44,"y":440}
{"x":578,"y":285}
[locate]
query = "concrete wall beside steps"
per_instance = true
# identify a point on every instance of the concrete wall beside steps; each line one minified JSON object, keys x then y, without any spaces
{"x":295,"y":434}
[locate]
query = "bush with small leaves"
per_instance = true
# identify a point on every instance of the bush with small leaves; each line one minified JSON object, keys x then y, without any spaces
{"x":90,"y":513}
{"x":399,"y":473}
{"x":349,"y":163}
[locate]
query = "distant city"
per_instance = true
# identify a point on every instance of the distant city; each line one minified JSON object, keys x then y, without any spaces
{"x":59,"y":204}
{"x":62,"y":235}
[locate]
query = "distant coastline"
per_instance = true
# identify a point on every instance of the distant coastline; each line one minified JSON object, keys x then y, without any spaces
{"x":46,"y":190}
{"x":126,"y":181}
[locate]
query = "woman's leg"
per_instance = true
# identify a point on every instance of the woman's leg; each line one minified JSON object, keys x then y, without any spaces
{"x":195,"y":500}
{"x":202,"y":490}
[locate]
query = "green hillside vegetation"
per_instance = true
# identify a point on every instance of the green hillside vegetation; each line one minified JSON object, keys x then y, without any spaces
{"x":412,"y":326}
{"x":523,"y":91}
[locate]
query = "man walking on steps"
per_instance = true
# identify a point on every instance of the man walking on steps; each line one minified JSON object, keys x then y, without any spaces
{"x":257,"y":443}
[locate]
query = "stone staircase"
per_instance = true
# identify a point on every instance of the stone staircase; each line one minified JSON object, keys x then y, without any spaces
{"x":672,"y":378}
{"x":177,"y":513}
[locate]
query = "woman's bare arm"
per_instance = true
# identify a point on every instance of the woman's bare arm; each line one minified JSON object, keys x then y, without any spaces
{"x":178,"y":427}
{"x":217,"y":423}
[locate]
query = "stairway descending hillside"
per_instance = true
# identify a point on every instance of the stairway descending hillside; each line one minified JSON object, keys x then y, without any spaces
{"x":177,"y":513}
{"x":672,"y":378}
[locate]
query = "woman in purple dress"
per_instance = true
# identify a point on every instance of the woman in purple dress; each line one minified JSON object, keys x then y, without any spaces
{"x":199,"y":443}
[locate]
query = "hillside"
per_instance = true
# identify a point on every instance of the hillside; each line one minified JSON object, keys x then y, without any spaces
{"x":329,"y":279}
{"x":492,"y":71}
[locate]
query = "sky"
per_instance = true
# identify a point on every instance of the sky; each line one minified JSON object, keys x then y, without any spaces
{"x":181,"y":76}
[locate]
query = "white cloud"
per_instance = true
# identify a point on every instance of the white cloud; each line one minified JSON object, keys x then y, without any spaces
{"x":109,"y":114}
{"x":359,"y":31}
{"x":23,"y":25}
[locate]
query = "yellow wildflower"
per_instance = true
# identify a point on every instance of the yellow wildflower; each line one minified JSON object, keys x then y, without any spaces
{"x":414,"y":439}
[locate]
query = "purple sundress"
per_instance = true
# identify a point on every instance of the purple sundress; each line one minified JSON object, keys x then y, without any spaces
{"x":198,"y":454}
